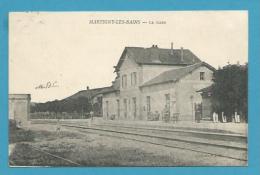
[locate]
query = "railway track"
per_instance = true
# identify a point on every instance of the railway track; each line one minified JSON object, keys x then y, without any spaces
{"x":182,"y":132}
{"x":68,"y":161}
{"x":228,"y":145}
{"x":61,"y":161}
{"x":197,"y":142}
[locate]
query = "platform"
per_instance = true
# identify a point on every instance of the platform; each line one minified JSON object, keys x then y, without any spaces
{"x":204,"y":126}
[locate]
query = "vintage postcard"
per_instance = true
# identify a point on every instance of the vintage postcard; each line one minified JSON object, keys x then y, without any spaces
{"x":128,"y":89}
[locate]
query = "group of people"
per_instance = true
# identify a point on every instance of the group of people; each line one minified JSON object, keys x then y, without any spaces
{"x":235,"y":117}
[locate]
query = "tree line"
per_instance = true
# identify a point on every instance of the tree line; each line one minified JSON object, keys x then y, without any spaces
{"x":230,"y":91}
{"x":79,"y":105}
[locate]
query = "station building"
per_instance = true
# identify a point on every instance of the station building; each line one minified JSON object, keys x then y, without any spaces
{"x":152,"y":81}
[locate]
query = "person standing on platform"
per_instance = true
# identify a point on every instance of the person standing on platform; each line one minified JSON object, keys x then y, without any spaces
{"x":91,"y":115}
{"x":237,"y":117}
{"x":224,"y":118}
{"x":215,"y":117}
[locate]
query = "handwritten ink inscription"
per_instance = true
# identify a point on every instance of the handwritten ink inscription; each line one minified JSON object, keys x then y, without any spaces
{"x":47,"y":85}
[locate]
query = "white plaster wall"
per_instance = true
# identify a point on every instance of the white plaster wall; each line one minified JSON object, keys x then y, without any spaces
{"x":19,"y":107}
{"x":187,"y":87}
{"x":112,"y":107}
{"x":157,"y":94}
{"x":129,"y":66}
{"x":180,"y":92}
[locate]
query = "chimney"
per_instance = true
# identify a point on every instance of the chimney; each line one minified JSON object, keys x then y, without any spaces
{"x":228,"y":62}
{"x":182,"y":54}
{"x":171,"y":48}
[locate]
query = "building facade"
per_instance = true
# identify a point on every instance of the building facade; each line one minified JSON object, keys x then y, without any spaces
{"x":153,"y":81}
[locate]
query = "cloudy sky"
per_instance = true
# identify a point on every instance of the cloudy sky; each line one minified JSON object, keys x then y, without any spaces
{"x":63,"y":47}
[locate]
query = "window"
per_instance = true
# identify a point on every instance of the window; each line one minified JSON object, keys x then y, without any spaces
{"x":124,"y":81}
{"x":167,"y":101}
{"x":133,"y":79}
{"x":202,"y":75}
{"x":129,"y":105}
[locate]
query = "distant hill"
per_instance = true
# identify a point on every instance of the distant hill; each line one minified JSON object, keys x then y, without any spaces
{"x":78,"y":102}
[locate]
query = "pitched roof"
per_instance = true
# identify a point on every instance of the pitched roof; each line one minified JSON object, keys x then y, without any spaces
{"x":90,"y":93}
{"x":155,"y":55}
{"x":175,"y":74}
{"x":109,"y":89}
{"x":206,"y":89}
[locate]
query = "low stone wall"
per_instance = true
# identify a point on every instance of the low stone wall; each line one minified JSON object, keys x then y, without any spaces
{"x":59,"y":115}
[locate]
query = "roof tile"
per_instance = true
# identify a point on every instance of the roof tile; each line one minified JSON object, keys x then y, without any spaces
{"x":155,"y":55}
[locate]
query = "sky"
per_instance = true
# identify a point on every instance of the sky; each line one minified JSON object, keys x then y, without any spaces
{"x":64,"y":48}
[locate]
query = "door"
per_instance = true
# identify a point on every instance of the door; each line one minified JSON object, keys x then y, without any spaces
{"x":148,"y":105}
{"x":167,"y":102}
{"x":125,"y":108}
{"x":118,"y":109}
{"x":134,"y":107}
{"x":198,"y":112}
{"x":107,"y":110}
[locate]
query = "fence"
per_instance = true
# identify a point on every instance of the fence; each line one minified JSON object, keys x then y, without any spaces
{"x":62,"y":115}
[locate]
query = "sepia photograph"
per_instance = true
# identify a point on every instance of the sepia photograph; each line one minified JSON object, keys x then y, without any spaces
{"x":128,"y":89}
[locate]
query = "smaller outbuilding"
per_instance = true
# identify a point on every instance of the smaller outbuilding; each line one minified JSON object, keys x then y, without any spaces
{"x":19,"y":108}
